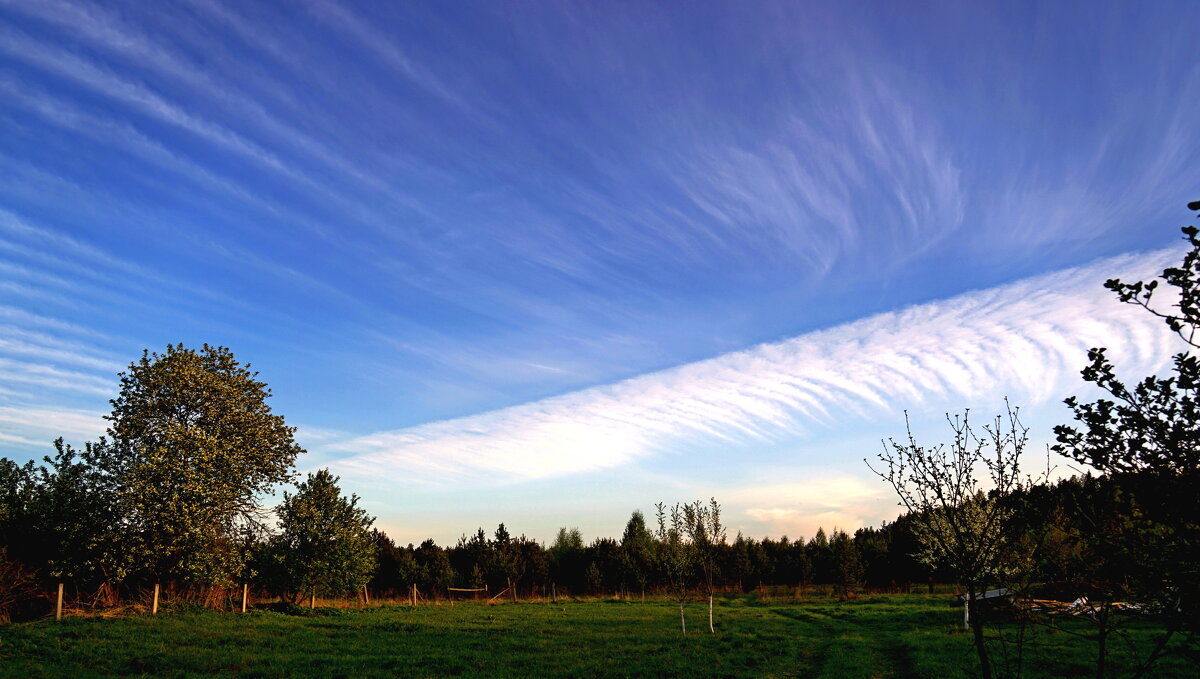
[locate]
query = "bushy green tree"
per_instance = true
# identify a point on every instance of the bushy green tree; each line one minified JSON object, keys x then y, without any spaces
{"x":435,"y":573}
{"x":325,"y":542}
{"x":60,"y":519}
{"x":567,"y":559}
{"x":637,"y":552}
{"x":75,"y":513}
{"x":17,"y":493}
{"x":196,"y":446}
{"x":1146,"y":438}
{"x":395,"y":568}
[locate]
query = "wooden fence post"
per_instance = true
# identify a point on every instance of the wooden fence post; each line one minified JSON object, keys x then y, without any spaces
{"x":58,"y":607}
{"x":154,"y":606}
{"x":245,"y":594}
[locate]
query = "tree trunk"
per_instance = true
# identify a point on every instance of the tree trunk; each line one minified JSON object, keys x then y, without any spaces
{"x":682,"y":623}
{"x":710,"y":619}
{"x":985,"y":665}
{"x":1102,"y":641}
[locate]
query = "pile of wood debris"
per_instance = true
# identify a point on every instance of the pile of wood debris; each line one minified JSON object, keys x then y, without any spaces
{"x":1080,"y":606}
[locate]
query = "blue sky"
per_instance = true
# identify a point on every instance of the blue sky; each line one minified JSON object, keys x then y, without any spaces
{"x":547,"y":263}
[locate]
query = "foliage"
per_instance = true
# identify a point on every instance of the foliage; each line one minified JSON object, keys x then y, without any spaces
{"x":325,"y":541}
{"x":195,"y":446}
{"x":848,"y":565}
{"x":60,"y":518}
{"x":637,"y":553}
{"x":1148,"y":437}
{"x":568,"y":560}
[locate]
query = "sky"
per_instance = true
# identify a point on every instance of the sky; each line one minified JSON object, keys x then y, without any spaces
{"x":549,"y":263}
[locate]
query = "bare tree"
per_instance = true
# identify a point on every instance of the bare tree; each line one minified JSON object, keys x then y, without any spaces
{"x":954,"y":493}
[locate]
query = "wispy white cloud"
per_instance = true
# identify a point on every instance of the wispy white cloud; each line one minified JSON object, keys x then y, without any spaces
{"x":48,"y":376}
{"x":27,"y":319}
{"x":798,"y":191}
{"x":1026,"y":340}
{"x":383,"y":47}
{"x":37,"y":426}
{"x":15,"y":340}
{"x":106,"y":30}
{"x":105,"y":81}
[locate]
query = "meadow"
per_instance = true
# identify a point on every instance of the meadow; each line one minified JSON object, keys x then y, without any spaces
{"x":887,"y":636}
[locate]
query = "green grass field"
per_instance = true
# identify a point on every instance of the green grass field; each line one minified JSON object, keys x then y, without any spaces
{"x":897,"y":636}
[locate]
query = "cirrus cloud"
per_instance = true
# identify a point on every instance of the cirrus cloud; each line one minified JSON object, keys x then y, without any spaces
{"x":1027,"y":340}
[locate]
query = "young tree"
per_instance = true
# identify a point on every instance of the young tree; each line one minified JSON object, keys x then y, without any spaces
{"x":959,"y":526}
{"x":707,"y":536}
{"x":325,"y":539}
{"x":741,"y":565}
{"x":507,"y":563}
{"x":197,"y":445}
{"x":675,"y":555}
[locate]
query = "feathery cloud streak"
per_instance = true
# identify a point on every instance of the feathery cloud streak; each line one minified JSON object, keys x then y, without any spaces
{"x":1027,"y":340}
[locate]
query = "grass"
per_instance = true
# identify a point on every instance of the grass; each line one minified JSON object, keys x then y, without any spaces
{"x":898,"y":636}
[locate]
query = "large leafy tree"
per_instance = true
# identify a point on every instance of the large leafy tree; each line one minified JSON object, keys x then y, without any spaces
{"x":1146,"y":439}
{"x":198,"y":447}
{"x":325,"y":541}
